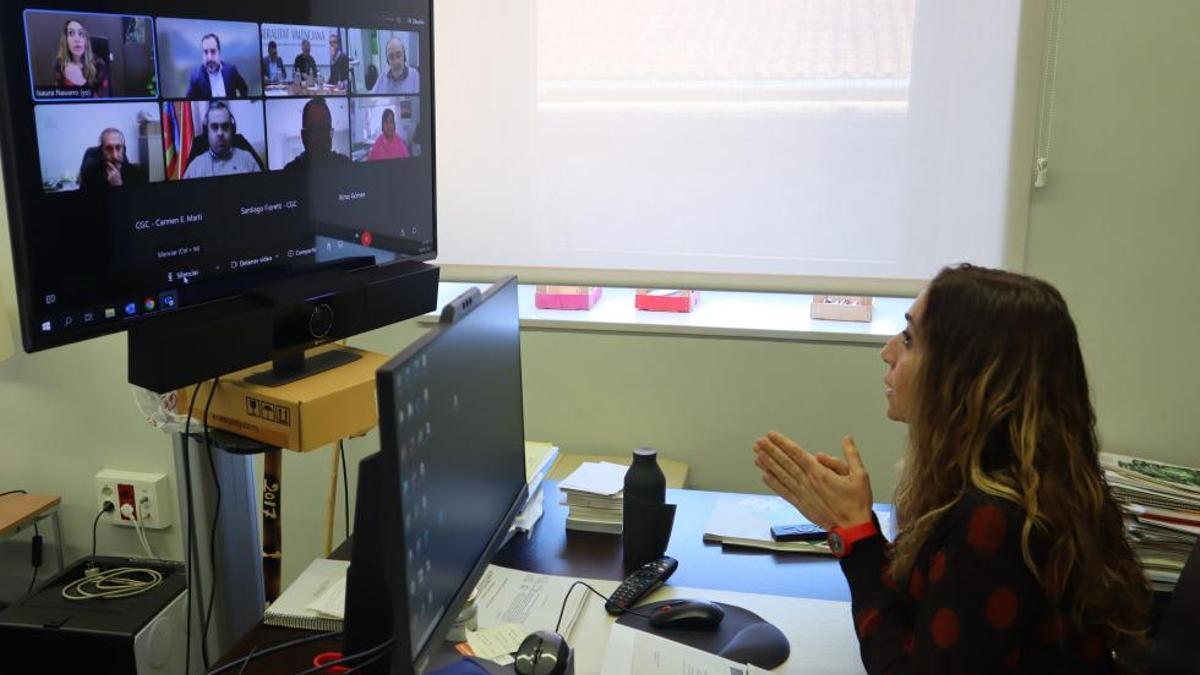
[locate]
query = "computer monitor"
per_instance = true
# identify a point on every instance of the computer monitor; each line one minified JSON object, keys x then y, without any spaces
{"x":436,"y":502}
{"x":163,"y":156}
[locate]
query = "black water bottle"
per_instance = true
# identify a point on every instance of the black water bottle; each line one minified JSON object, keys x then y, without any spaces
{"x":646,"y":518}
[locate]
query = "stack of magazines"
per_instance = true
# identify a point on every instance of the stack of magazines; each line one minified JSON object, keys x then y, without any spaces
{"x":594,"y":495}
{"x":1162,"y":512}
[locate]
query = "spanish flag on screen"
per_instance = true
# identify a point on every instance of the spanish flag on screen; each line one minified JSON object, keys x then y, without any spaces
{"x":177,"y":137}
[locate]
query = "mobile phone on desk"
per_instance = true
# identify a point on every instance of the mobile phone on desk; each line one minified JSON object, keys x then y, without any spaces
{"x":798,"y":532}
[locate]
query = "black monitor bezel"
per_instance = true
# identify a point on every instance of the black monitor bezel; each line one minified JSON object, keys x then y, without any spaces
{"x":31,"y":340}
{"x":383,"y":509}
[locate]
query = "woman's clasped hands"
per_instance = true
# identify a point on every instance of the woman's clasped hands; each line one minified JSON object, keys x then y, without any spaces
{"x":828,"y":491}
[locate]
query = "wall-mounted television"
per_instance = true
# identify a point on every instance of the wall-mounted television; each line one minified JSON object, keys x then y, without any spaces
{"x":165,"y":157}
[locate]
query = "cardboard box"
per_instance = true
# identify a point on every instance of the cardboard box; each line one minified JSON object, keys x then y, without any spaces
{"x":663,"y":300}
{"x":303,"y":415}
{"x":841,"y":307}
{"x":566,"y":297}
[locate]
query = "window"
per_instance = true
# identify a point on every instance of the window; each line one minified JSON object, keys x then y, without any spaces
{"x":791,"y":138}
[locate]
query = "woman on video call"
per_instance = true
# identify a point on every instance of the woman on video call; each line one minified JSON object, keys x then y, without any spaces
{"x":389,"y":145}
{"x":76,"y":67}
{"x":1010,"y":554}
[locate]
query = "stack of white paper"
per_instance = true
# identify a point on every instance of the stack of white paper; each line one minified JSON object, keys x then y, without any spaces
{"x":593,"y":495}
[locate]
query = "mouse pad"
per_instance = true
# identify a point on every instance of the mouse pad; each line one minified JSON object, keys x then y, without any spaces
{"x":711,"y":641}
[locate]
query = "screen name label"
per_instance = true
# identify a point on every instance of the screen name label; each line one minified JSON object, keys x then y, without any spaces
{"x":184,"y":219}
{"x":259,"y":209}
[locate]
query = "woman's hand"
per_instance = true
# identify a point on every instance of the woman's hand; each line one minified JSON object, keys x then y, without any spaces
{"x":826,"y":490}
{"x":74,"y":74}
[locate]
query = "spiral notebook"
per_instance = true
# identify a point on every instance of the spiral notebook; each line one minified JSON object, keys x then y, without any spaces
{"x":315,"y":600}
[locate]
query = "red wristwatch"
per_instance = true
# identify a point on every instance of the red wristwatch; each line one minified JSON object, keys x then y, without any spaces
{"x":841,"y":539}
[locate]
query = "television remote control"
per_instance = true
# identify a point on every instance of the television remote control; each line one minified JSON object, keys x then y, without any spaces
{"x":643,"y":580}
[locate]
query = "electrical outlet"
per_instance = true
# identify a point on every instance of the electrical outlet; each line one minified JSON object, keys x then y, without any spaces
{"x":147,"y":495}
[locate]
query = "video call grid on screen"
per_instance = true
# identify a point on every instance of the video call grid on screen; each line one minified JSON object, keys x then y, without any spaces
{"x":67,"y":271}
{"x":370,"y":88}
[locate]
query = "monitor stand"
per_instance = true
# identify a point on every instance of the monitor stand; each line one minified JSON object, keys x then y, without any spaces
{"x":292,"y":365}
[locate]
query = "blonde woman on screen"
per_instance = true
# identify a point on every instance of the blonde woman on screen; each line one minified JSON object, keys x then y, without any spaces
{"x":76,"y":66}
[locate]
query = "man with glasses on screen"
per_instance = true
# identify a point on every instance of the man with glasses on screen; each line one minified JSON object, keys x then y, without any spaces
{"x":400,"y":77}
{"x":339,"y":63}
{"x":222,"y":158}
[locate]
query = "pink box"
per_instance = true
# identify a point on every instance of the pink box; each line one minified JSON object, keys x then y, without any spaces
{"x":662,"y":300}
{"x":566,"y":297}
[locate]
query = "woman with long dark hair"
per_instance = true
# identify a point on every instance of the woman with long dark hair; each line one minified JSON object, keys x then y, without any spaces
{"x":76,"y":66}
{"x":1010,"y":554}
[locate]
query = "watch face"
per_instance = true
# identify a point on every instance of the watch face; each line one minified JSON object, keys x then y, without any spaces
{"x":835,"y":543}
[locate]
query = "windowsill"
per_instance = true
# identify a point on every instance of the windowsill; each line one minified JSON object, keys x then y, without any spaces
{"x":740,"y":314}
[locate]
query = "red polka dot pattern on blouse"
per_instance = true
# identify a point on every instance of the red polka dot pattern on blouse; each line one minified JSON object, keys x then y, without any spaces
{"x":1002,"y":608}
{"x":944,"y":628}
{"x":867,"y":622}
{"x":937,"y":566}
{"x":985,"y":532}
{"x":916,"y":584}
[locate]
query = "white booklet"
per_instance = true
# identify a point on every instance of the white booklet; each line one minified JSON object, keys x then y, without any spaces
{"x":318,"y":585}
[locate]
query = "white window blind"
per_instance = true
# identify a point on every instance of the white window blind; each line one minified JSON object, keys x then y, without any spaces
{"x":811,"y":138}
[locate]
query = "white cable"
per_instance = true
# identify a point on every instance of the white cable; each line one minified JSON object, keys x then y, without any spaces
{"x":137,"y":525}
{"x":128,"y":511}
{"x":120,"y":582}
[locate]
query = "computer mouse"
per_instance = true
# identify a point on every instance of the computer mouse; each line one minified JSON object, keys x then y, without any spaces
{"x":760,"y":644}
{"x":542,"y":653}
{"x":687,"y":614}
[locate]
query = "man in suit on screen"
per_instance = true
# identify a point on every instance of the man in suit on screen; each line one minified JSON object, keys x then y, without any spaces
{"x":212,"y":78}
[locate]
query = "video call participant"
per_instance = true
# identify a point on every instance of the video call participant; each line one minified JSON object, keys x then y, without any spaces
{"x":111,"y":169}
{"x":272,"y":65}
{"x":222,"y":158}
{"x":389,"y":145}
{"x":316,"y":132}
{"x":305,"y":66}
{"x":400,"y":78}
{"x":339,"y":63}
{"x":212,"y":78}
{"x":78,"y":68}
{"x":1011,"y":555}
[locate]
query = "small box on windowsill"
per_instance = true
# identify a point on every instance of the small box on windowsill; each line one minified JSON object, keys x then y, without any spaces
{"x":566,"y":297}
{"x":665,"y":300}
{"x":841,"y":307}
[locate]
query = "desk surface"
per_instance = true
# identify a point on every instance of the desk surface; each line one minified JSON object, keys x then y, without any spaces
{"x":17,"y":510}
{"x":554,"y":550}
